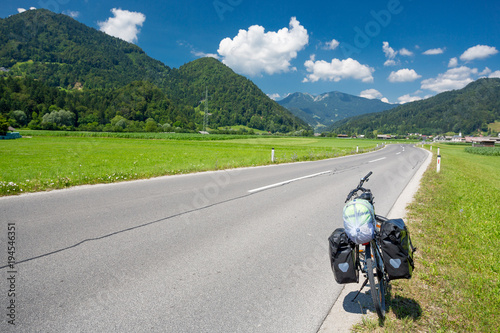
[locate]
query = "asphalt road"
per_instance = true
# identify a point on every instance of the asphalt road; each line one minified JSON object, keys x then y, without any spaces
{"x":242,"y":250}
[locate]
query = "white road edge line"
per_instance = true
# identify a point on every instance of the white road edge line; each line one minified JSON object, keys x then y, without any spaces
{"x":288,"y":181}
{"x":380,"y":159}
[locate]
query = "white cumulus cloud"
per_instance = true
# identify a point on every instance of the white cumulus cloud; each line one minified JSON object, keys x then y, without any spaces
{"x":495,"y":74}
{"x":388,"y":51}
{"x":196,"y":52}
{"x":478,"y":52}
{"x":455,"y":78}
{"x":71,"y":13}
{"x":453,"y":62}
{"x":124,"y":24}
{"x":201,"y":54}
{"x":408,"y":98}
{"x":404,"y":75}
{"x":390,"y":54}
{"x":485,"y":72}
{"x":22,"y":10}
{"x":371,"y":94}
{"x":390,"y":62}
{"x":405,"y":52}
{"x":332,"y":45}
{"x":274,"y":96}
{"x":254,"y":51}
{"x":337,"y":70}
{"x":434,"y":51}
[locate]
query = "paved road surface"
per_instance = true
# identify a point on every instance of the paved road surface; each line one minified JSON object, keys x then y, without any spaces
{"x":243,"y":250}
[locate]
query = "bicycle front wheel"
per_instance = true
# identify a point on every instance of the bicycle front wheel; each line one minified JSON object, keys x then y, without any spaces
{"x":377,"y":287}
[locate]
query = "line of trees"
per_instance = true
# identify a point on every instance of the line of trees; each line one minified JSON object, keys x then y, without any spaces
{"x":139,"y":106}
{"x":31,"y":103}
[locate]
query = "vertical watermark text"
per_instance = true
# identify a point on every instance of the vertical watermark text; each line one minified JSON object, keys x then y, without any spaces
{"x":11,"y":273}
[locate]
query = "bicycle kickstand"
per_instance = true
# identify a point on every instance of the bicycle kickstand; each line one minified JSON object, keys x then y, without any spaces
{"x":359,"y":291}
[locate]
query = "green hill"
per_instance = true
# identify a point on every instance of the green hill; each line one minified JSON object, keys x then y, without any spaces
{"x":233,"y":99}
{"x":61,"y":51}
{"x":467,"y":110}
{"x":323,"y":110}
{"x":54,"y":62}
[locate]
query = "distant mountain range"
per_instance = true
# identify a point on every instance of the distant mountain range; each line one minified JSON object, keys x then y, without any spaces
{"x":468,"y":110}
{"x":322,"y":111}
{"x":53,"y":62}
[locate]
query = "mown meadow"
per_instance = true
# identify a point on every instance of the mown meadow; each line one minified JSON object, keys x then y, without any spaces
{"x":45,"y":160}
{"x":454,"y":222}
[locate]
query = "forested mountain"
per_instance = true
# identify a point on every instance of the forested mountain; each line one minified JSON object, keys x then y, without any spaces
{"x":51,"y":62}
{"x":323,"y":110}
{"x":233,"y":99}
{"x":467,"y":110}
{"x":61,"y":51}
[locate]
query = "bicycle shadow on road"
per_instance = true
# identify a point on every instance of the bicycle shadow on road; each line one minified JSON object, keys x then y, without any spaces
{"x":402,"y":307}
{"x":363,"y":303}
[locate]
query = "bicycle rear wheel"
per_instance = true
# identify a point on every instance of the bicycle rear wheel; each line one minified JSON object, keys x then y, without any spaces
{"x":377,"y":287}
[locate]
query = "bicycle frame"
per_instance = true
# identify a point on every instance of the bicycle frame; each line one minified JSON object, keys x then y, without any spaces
{"x":369,"y":262}
{"x":371,"y":250}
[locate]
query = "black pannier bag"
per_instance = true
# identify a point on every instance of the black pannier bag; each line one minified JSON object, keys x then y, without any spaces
{"x":397,"y":249}
{"x":342,"y":257}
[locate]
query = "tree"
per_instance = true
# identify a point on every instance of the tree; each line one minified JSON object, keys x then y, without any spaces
{"x":369,"y":134}
{"x":19,"y":117}
{"x":151,"y":125}
{"x":119,"y":121}
{"x":59,"y":118}
{"x":4,"y":125}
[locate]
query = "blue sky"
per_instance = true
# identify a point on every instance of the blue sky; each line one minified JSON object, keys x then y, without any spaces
{"x":394,"y":50}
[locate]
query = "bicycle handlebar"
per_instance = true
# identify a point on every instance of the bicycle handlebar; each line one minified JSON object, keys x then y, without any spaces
{"x":359,"y":187}
{"x":365,"y":178}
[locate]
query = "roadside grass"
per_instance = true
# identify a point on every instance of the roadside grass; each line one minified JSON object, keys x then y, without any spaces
{"x":40,"y":161}
{"x":455,"y":223}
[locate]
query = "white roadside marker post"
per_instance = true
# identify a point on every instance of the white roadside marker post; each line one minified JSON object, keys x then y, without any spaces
{"x":272,"y":155}
{"x":438,"y":166}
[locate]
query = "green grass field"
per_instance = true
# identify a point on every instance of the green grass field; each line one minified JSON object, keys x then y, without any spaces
{"x":44,"y":160}
{"x":455,"y":223}
{"x":488,"y":151}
